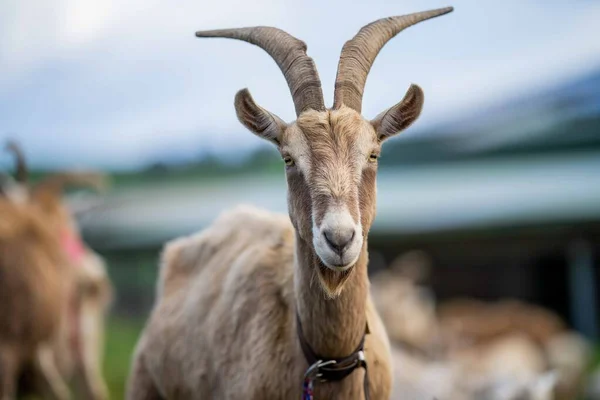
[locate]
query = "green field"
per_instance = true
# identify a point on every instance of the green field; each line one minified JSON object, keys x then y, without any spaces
{"x":121,"y":338}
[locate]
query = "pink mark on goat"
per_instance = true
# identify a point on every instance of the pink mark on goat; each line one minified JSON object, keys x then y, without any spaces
{"x":72,"y":245}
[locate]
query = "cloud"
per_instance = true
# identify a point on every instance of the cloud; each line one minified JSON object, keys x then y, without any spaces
{"x":110,"y":83}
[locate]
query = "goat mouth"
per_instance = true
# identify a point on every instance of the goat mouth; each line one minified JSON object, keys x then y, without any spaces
{"x":332,"y":278}
{"x":339,"y":268}
{"x":336,"y":263}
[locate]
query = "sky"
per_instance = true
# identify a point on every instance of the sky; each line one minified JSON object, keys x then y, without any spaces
{"x":114,"y":84}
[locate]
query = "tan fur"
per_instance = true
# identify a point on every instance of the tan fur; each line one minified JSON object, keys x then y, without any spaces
{"x":473,"y":377}
{"x":479,"y":321}
{"x":476,"y":350}
{"x":508,"y":367}
{"x":569,"y":354}
{"x":79,"y":362}
{"x":34,"y":277}
{"x":243,"y":268}
{"x":88,"y":295}
{"x":235,"y":283}
{"x":408,"y":312}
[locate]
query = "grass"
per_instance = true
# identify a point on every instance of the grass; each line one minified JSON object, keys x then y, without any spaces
{"x":595,"y":364}
{"x":121,"y":337}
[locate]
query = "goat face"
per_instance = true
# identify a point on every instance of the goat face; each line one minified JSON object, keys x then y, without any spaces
{"x":331,"y":165}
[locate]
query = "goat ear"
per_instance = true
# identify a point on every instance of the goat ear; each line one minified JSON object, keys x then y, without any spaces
{"x":401,"y":116}
{"x":258,"y":120}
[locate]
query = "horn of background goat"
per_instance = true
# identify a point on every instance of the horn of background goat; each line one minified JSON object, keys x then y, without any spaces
{"x":290,"y":55}
{"x":359,"y":53}
{"x":56,"y":183}
{"x":21,"y":171}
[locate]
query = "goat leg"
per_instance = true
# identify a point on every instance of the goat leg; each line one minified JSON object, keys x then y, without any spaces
{"x":51,"y":382}
{"x":89,"y":383}
{"x":8,"y":372}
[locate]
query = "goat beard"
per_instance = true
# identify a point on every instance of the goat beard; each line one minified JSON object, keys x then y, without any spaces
{"x":331,"y":281}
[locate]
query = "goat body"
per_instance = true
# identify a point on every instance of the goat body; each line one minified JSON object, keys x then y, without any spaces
{"x":36,"y":219}
{"x":224,"y":322}
{"x":34,"y":282}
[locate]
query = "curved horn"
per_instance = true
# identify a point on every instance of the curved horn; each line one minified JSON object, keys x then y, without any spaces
{"x":359,"y":53}
{"x":290,"y":55}
{"x":58,"y":182}
{"x":21,"y":171}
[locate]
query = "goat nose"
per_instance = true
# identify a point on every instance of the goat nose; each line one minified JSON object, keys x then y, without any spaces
{"x":339,"y":239}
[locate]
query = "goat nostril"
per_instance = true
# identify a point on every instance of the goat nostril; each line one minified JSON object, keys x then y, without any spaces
{"x":338,"y":242}
{"x":330,"y":242}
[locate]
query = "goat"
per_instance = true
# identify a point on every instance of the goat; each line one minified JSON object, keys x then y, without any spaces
{"x":266,"y":306}
{"x":34,"y":281}
{"x":510,"y":369}
{"x":481,"y":321}
{"x":407,"y":308}
{"x":474,"y":349}
{"x":474,"y":323}
{"x":77,"y":349}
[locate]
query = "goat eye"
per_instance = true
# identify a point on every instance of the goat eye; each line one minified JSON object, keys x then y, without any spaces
{"x":373,"y":157}
{"x":288,"y":161}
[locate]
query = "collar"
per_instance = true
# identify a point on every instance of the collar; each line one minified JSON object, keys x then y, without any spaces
{"x":324,"y":369}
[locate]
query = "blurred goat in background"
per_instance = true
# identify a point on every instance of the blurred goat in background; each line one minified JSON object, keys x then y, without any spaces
{"x":35,"y":276}
{"x":470,"y":349}
{"x":72,"y":350}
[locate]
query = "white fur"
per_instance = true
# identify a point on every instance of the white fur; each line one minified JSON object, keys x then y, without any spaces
{"x":337,"y":219}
